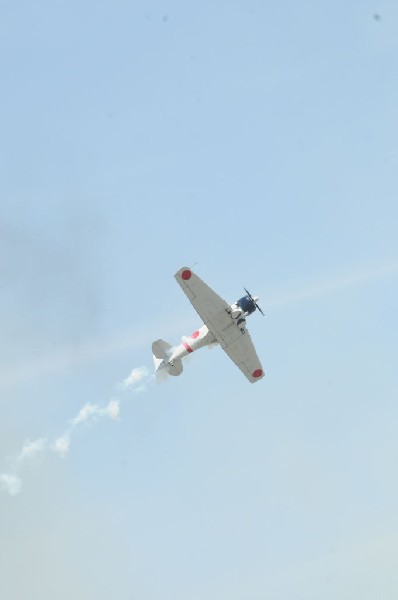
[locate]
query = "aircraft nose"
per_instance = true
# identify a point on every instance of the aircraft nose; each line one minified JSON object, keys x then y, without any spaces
{"x":256,"y":298}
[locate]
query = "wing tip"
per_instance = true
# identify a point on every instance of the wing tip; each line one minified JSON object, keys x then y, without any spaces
{"x":256,"y":375}
{"x":184,"y":273}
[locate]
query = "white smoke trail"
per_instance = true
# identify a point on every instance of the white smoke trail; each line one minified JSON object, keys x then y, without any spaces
{"x":11,"y":481}
{"x":89,"y":412}
{"x":135,"y":376}
{"x":30,"y":449}
{"x":92,"y":412}
{"x":112,"y":410}
{"x":62,"y":445}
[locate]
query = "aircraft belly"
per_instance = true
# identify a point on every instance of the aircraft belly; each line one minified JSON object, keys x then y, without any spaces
{"x":225,"y":331}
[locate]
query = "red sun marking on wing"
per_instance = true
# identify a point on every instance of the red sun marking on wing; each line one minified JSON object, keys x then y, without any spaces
{"x":186,"y":274}
{"x":257,"y":373}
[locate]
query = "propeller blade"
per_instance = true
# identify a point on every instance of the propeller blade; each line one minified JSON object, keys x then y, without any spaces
{"x":255,"y":303}
{"x":259,"y":309}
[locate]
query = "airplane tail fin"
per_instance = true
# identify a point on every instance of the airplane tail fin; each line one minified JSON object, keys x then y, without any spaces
{"x":161,"y":352}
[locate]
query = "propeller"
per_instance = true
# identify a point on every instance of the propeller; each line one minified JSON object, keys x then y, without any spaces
{"x":255,"y":303}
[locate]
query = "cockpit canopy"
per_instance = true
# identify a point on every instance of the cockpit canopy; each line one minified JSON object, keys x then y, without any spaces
{"x":246,"y":304}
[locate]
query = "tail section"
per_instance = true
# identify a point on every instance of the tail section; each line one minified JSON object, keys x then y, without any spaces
{"x":161,"y":352}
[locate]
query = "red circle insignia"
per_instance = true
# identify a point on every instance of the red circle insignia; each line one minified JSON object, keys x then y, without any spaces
{"x":195,"y":335}
{"x":257,"y":373}
{"x":186,"y":274}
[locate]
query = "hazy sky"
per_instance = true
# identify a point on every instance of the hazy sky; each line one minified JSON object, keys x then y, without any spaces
{"x":258,"y":142}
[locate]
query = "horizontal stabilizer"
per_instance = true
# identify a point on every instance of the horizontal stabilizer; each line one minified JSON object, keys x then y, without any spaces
{"x":175,"y":368}
{"x":161,"y":353}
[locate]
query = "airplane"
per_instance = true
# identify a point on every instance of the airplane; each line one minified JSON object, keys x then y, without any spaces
{"x":223,"y":324}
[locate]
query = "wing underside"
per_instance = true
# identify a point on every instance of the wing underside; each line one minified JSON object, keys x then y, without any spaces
{"x":212,"y":309}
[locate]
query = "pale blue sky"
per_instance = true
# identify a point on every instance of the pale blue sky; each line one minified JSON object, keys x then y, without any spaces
{"x":257,"y":140}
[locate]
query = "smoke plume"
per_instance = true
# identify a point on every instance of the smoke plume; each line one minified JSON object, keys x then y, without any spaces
{"x":11,"y":482}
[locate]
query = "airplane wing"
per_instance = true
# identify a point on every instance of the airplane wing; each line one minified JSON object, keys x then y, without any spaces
{"x":212,"y":310}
